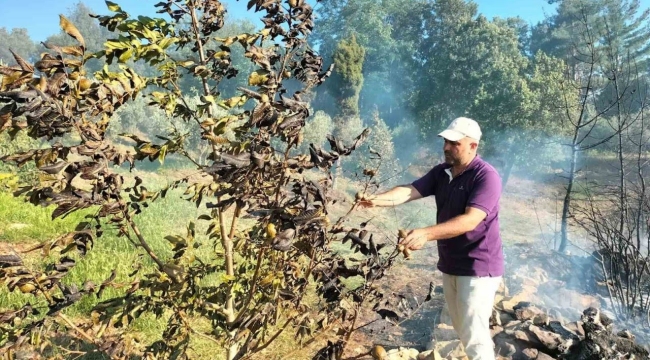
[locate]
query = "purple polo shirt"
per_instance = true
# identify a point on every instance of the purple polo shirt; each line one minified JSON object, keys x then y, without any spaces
{"x":480,"y":251}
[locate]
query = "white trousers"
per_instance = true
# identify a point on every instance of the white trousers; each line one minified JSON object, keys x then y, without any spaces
{"x":470,"y":301}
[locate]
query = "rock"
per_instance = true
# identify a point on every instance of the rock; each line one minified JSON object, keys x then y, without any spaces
{"x":552,"y":341}
{"x":508,"y":303}
{"x":530,"y":354}
{"x":576,"y":327}
{"x":541,"y":320}
{"x":556,"y":294}
{"x":522,"y":335}
{"x":495,"y":319}
{"x":379,"y":353}
{"x":429,"y":355}
{"x":451,"y":348}
{"x":402,"y":354}
{"x":506,"y":349}
{"x":495,"y":330}
{"x":524,"y":311}
{"x":565,"y":333}
{"x":507,"y":345}
{"x":444,"y":332}
{"x":626,"y":334}
{"x":544,"y":356}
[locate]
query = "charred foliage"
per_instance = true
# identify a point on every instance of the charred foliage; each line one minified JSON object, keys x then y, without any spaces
{"x":263,"y":271}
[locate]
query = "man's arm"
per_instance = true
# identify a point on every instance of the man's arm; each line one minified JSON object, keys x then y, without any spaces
{"x":451,"y":228}
{"x":396,"y":196}
{"x":483,"y":199}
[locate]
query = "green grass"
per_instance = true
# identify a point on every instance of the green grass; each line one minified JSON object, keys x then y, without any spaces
{"x":24,"y":225}
{"x":169,"y":216}
{"x":23,"y":222}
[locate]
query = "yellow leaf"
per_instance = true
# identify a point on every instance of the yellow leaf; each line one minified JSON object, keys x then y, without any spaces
{"x":207,"y":122}
{"x":126,"y":55}
{"x":71,"y":30}
{"x":113,"y":6}
{"x":256,"y":79}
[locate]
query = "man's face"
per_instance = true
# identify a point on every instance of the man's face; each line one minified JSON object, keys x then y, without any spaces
{"x":458,"y":152}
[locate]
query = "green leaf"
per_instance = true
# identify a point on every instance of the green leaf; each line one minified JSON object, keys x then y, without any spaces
{"x":224,"y":278}
{"x":207,"y":99}
{"x":174,"y":239}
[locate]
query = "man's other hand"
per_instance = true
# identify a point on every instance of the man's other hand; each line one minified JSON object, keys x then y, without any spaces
{"x":415,"y":239}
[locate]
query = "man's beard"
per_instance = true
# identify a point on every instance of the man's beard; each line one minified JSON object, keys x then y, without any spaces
{"x":450,"y":159}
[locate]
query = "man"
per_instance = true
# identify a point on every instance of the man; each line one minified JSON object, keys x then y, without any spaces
{"x":467,"y":191}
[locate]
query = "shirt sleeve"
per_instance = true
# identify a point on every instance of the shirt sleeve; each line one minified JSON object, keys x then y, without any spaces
{"x":427,"y":183}
{"x":486,"y":192}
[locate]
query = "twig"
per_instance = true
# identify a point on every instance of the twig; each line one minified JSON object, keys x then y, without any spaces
{"x":143,"y":243}
{"x":76,"y":328}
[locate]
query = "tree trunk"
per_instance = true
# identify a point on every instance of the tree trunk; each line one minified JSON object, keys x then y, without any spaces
{"x":567,"y":200}
{"x":336,"y":173}
{"x":507,"y":170}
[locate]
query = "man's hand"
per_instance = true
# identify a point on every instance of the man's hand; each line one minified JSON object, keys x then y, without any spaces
{"x":415,"y":239}
{"x":364,"y":201}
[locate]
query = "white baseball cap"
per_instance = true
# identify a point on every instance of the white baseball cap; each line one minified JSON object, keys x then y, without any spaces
{"x":462,"y":127}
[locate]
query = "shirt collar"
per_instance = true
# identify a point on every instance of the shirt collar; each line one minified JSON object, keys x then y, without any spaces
{"x":471,"y":166}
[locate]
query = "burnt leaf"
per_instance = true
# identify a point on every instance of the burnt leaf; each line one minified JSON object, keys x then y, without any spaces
{"x":388,"y":314}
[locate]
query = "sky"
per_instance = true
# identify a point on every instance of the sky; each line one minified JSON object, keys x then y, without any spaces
{"x":40,"y":17}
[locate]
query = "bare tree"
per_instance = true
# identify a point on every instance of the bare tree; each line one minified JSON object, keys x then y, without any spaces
{"x":583,"y":108}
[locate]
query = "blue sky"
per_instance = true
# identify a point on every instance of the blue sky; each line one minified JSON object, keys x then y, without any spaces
{"x":40,"y":17}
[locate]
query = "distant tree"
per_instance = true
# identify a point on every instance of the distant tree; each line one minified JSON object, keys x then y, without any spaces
{"x":348,"y":76}
{"x":19,"y":41}
{"x":624,"y":22}
{"x":388,"y":31}
{"x":348,"y":79}
{"x":479,"y":68}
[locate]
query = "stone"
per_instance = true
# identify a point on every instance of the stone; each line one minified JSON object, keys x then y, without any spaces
{"x":524,"y":312}
{"x":626,"y":334}
{"x":541,"y":320}
{"x":576,"y":327}
{"x":402,"y":354}
{"x":444,"y":332}
{"x":495,"y":319}
{"x":552,"y":341}
{"x":452,"y":348}
{"x":508,"y":303}
{"x":530,"y":354}
{"x":544,"y":356}
{"x":429,"y":355}
{"x":506,"y":349}
{"x":495,"y":330}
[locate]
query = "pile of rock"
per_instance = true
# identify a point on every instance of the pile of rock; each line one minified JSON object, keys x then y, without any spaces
{"x":526,"y":332}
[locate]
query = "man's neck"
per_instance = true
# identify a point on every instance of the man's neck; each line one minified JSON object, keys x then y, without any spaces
{"x":459,"y":168}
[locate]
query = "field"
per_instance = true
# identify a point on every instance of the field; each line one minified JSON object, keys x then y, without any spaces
{"x":528,"y":216}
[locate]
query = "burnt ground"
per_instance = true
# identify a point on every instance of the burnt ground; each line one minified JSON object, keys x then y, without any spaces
{"x":410,"y":278}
